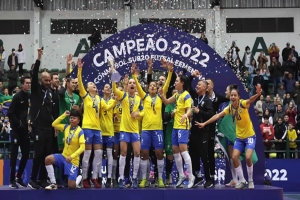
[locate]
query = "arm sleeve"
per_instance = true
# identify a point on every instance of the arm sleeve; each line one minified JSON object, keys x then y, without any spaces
{"x":13,"y":118}
{"x":34,"y":78}
{"x":82,"y":91}
{"x":82,"y":145}
{"x":111,"y":104}
{"x":61,"y":92}
{"x":149,"y":78}
{"x":209,"y":112}
{"x":120,"y":94}
{"x":226,"y":110}
{"x":56,"y":124}
{"x":167,"y":83}
{"x":244,"y":104}
{"x":139,"y":88}
{"x":188,"y":101}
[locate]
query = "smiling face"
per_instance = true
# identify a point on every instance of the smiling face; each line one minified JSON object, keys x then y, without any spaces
{"x":91,"y":87}
{"x":201,"y":88}
{"x":106,"y":90}
{"x":178,"y":84}
{"x":234,"y":96}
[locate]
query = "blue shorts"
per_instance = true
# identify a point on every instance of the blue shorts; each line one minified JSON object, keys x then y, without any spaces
{"x":244,"y":144}
{"x":129,"y":137}
{"x":92,"y":136}
{"x":117,"y":138}
{"x":69,"y":169}
{"x":108,"y":140}
{"x":154,"y":138}
{"x":180,"y":136}
{"x":229,"y":143}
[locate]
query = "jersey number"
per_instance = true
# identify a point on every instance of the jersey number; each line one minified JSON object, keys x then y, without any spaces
{"x":120,"y":111}
{"x":250,"y":140}
{"x":160,"y":138}
{"x":105,"y":112}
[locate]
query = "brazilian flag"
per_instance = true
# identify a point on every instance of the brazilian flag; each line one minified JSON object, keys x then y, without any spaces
{"x":5,"y":101}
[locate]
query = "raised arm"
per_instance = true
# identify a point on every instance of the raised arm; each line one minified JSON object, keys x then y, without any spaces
{"x":82,"y":91}
{"x":120,"y":94}
{"x":167,"y":83}
{"x":69,"y":62}
{"x":35,"y":71}
{"x":164,"y":99}
{"x":111,"y":104}
{"x":57,"y":125}
{"x":139,"y":88}
{"x":254,"y":97}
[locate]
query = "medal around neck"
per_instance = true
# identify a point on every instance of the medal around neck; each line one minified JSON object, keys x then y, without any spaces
{"x":115,"y":75}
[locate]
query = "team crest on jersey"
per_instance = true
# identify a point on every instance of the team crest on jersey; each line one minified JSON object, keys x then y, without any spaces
{"x":87,"y":139}
{"x":240,"y":111}
{"x":216,"y":99}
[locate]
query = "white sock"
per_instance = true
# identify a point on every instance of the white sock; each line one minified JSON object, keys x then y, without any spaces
{"x":85,"y":163}
{"x":97,"y":164}
{"x":50,"y":171}
{"x":160,"y":167}
{"x":239,"y":174}
{"x":78,"y":179}
{"x":114,"y":169}
{"x":178,"y":161}
{"x":187,"y":159}
{"x":234,"y":177}
{"x":250,"y":173}
{"x":109,"y":162}
{"x":143,"y":167}
{"x":136,"y":165}
{"x":122,"y":162}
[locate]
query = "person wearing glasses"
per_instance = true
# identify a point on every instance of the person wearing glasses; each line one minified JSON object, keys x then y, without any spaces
{"x":18,"y":113}
{"x":74,"y":146}
{"x":152,"y":127}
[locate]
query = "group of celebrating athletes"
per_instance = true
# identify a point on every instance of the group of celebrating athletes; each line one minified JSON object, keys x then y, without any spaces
{"x":115,"y":119}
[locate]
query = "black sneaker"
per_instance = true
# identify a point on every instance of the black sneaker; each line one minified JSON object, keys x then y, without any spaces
{"x":33,"y":184}
{"x":43,"y":183}
{"x":100,"y":181}
{"x":13,"y":185}
{"x":208,"y":184}
{"x":115,"y":183}
{"x":20,"y":182}
{"x":198,"y":181}
{"x":108,"y":183}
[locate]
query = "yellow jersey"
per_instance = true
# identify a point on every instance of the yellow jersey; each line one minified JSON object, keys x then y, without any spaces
{"x":106,"y":120}
{"x":152,"y":119}
{"x":244,"y":127}
{"x":129,"y":105}
{"x":292,"y":135}
{"x":92,"y":106}
{"x":117,"y":117}
{"x":183,"y":101}
{"x":73,"y":139}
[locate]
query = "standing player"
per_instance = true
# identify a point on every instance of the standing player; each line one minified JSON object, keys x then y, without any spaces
{"x":107,"y":130}
{"x":181,"y":129}
{"x":132,"y":109}
{"x":152,"y":127}
{"x":91,"y":127}
{"x":74,"y":146}
{"x":245,"y":135}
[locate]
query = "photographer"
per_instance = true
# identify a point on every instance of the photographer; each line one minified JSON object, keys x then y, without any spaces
{"x":18,"y":111}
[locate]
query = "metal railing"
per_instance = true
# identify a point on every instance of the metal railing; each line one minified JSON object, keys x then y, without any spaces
{"x":287,"y":150}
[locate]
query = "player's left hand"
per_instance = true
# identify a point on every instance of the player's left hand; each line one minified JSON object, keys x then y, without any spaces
{"x":200,"y":125}
{"x":69,"y":159}
{"x":183,"y":118}
{"x":135,"y":114}
{"x":55,"y":132}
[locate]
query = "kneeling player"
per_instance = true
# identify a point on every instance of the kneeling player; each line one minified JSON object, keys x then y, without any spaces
{"x":74,"y":146}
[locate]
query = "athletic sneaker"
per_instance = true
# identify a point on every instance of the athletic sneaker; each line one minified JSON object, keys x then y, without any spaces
{"x":20,"y":182}
{"x":143,"y":183}
{"x":251,"y":185}
{"x":96,"y":183}
{"x":198,"y":181}
{"x":52,"y":186}
{"x":86,"y":183}
{"x":181,"y":179}
{"x":108,"y":183}
{"x":43,"y":183}
{"x":160,"y":183}
{"x":135,"y":183}
{"x":33,"y":184}
{"x":209,"y":184}
{"x":241,"y":185}
{"x":191,"y":181}
{"x":13,"y":185}
{"x":232,"y":183}
{"x":115,"y":183}
{"x":121,"y":183}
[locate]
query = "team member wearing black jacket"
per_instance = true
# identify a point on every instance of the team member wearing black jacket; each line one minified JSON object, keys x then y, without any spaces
{"x":17,"y":113}
{"x":198,"y":143}
{"x":41,"y":123}
{"x":55,"y":108}
{"x":217,"y":99}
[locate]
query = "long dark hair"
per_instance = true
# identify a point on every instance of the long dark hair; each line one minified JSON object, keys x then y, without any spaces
{"x":185,"y":81}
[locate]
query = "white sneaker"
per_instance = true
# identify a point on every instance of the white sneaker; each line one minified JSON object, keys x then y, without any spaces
{"x":251,"y":185}
{"x":241,"y":185}
{"x":181,"y":179}
{"x":232,"y":183}
{"x":52,"y":186}
{"x":191,"y":181}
